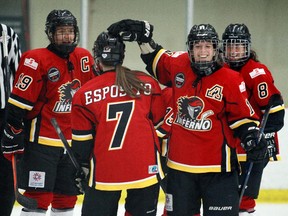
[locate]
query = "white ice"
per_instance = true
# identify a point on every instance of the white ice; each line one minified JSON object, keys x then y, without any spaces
{"x":263,"y":209}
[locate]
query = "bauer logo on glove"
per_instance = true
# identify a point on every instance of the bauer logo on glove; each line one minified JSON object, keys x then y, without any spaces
{"x":255,"y":146}
{"x":132,"y":30}
{"x":12,"y":141}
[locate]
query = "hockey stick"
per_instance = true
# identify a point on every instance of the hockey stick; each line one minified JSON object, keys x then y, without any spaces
{"x":65,"y":142}
{"x":6,"y":73}
{"x":26,"y":202}
{"x":260,"y":134}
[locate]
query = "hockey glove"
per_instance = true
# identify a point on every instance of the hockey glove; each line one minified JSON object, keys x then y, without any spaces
{"x":256,"y":151}
{"x":81,"y":178}
{"x":132,"y":30}
{"x":12,"y":141}
{"x":271,"y":145}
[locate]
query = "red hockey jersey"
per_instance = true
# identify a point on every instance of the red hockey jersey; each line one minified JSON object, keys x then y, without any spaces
{"x":126,"y":148}
{"x":205,"y":114}
{"x":163,"y":131}
{"x":44,"y":86}
{"x":260,"y":87}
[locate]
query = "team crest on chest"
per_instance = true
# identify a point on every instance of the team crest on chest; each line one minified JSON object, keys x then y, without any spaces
{"x":67,"y":92}
{"x":190,"y":114}
{"x":215,"y":92}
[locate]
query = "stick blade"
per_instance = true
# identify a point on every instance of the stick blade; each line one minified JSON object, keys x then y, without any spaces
{"x":26,"y":202}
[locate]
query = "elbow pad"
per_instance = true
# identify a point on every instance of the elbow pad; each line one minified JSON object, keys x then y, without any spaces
{"x":275,"y":121}
{"x":15,"y":115}
{"x":149,"y":47}
{"x":148,"y":52}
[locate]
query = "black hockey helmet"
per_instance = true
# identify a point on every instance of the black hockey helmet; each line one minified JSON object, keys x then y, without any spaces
{"x":109,"y":49}
{"x":61,"y":18}
{"x":202,"y":32}
{"x":236,"y":35}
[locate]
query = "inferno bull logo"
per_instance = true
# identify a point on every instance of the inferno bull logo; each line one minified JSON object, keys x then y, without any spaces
{"x":188,"y":115}
{"x":67,"y":92}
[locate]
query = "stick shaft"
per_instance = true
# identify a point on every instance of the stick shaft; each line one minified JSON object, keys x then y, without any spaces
{"x":65,"y":143}
{"x":260,"y":134}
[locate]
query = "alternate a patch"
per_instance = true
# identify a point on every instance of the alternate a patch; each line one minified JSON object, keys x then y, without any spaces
{"x":30,"y":62}
{"x":215,"y":92}
{"x":257,"y":72}
{"x":179,"y":80}
{"x":36,"y":179}
{"x":153,"y":169}
{"x":53,"y":74}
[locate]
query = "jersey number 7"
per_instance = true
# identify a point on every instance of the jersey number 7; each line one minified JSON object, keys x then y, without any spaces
{"x":122,"y":113}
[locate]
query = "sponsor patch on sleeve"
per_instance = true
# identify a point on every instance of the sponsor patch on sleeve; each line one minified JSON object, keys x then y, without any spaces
{"x":257,"y":72}
{"x":242,"y":87}
{"x":30,"y":62}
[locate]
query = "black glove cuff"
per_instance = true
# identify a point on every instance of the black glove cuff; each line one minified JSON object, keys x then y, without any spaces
{"x":244,"y":129}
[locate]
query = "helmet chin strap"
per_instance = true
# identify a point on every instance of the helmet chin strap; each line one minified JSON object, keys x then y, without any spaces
{"x":62,"y":50}
{"x":66,"y":48}
{"x":237,"y":65}
{"x":203,"y":70}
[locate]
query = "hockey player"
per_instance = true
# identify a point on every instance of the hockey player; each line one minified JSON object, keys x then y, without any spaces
{"x":164,"y":130}
{"x":211,"y":111}
{"x":12,"y":46}
{"x":113,"y":118}
{"x":46,"y":81}
{"x":260,"y":87}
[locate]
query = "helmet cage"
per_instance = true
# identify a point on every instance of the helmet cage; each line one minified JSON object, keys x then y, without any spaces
{"x":199,"y":33}
{"x":203,"y":68}
{"x":108,"y":50}
{"x":236,"y":52}
{"x":236,"y":41}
